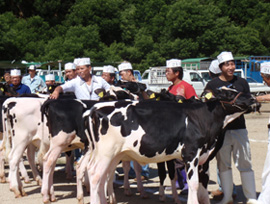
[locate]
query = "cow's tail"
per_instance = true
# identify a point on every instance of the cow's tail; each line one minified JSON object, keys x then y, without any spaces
{"x":6,"y":144}
{"x":89,"y":130}
{"x":44,"y":137}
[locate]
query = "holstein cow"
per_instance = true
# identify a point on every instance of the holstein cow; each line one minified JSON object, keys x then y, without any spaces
{"x":22,"y":130}
{"x":67,"y":132}
{"x":150,"y":131}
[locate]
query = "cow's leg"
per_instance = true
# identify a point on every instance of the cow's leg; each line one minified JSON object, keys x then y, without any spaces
{"x":203,"y":196}
{"x":126,"y":168}
{"x":2,"y":166}
{"x":99,"y":170}
{"x":31,"y":159}
{"x":193,"y":180}
{"x":15,"y":183}
{"x":49,"y":164}
{"x":110,"y":191}
{"x":138,"y":170}
{"x":81,"y":169}
{"x":23,"y":171}
{"x":173,"y":177}
{"x":162,"y":177}
{"x":69,"y":162}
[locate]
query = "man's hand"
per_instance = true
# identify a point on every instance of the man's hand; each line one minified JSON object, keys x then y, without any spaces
{"x":56,"y":92}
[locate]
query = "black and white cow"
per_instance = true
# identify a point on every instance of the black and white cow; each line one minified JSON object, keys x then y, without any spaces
{"x":150,"y":131}
{"x":67,"y":132}
{"x":22,"y":130}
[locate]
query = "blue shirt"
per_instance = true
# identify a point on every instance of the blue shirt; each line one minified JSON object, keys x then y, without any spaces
{"x":22,"y":89}
{"x":83,"y":91}
{"x":36,"y":85}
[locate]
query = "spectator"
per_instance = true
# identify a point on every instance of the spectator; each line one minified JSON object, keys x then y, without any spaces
{"x":214,"y":71}
{"x":108,"y":74}
{"x":70,"y":71}
{"x":16,"y":82}
{"x":50,"y":83}
{"x":264,"y":197}
{"x":7,"y":78}
{"x":236,"y":141}
{"x":126,"y":73}
{"x":34,"y":82}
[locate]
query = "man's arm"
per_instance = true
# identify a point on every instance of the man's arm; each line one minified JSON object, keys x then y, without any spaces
{"x":263,"y":98}
{"x":56,"y":92}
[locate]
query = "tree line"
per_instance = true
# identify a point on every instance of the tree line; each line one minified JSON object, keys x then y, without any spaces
{"x":146,"y":33}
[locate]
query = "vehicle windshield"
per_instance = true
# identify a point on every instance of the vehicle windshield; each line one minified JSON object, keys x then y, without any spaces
{"x":251,"y":80}
{"x":206,"y":76}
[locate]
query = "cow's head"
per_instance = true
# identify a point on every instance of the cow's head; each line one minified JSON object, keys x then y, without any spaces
{"x":115,"y":93}
{"x":133,"y":87}
{"x":164,"y":95}
{"x":234,"y":101}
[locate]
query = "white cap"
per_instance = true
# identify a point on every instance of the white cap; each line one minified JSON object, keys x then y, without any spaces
{"x":82,"y":61}
{"x":109,"y":69}
{"x":173,"y":63}
{"x":224,"y":57}
{"x":124,"y":66}
{"x":265,"y":68}
{"x":214,"y":68}
{"x":49,"y":77}
{"x":32,"y":67}
{"x":75,"y":62}
{"x":70,"y":65}
{"x":15,"y":72}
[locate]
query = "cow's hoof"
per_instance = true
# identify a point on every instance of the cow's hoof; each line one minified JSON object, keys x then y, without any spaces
{"x":80,"y":201}
{"x":18,"y":196}
{"x":53,"y":199}
{"x":128,"y":192}
{"x":162,"y":198}
{"x":3,"y":180}
{"x":27,"y":180}
{"x":39,"y":181}
{"x":144,"y":196}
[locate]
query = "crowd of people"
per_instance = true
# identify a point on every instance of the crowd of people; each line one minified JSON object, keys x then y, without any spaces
{"x":236,"y":145}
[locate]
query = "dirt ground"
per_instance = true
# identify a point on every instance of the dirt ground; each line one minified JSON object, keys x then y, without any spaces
{"x":66,"y":191}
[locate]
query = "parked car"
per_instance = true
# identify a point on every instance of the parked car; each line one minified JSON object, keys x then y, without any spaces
{"x":58,"y":75}
{"x":257,"y":88}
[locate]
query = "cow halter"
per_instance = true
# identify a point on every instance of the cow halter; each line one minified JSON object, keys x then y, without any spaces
{"x":232,"y":102}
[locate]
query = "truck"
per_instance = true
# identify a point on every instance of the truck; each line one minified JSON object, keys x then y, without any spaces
{"x":155,"y":79}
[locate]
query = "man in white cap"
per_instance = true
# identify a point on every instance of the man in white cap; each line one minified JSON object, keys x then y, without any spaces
{"x":127,"y":74}
{"x":16,"y":82}
{"x":174,"y":73}
{"x":215,"y":71}
{"x":35,"y":83}
{"x":83,"y":86}
{"x":70,"y":71}
{"x":236,"y":141}
{"x":264,"y":197}
{"x":126,"y":71}
{"x":108,"y":74}
{"x":50,"y":83}
{"x":50,"y":79}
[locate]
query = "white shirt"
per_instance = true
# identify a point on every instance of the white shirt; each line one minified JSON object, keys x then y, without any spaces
{"x":83,"y":91}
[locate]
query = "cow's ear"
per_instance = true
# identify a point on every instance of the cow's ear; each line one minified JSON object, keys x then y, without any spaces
{"x":207,"y":95}
{"x":100,"y":92}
